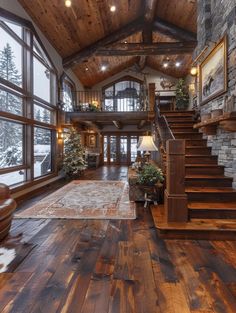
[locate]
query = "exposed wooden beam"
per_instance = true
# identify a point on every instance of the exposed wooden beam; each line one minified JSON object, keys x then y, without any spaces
{"x":150,"y":10}
{"x":173,"y":31}
{"x":118,"y":124}
{"x":118,"y":35}
{"x":161,"y":48}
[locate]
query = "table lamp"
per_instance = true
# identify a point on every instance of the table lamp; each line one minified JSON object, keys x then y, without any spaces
{"x":146,"y":144}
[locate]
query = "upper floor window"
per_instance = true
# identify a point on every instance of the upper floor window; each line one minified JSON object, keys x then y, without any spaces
{"x":68,"y":93}
{"x":124,"y":95}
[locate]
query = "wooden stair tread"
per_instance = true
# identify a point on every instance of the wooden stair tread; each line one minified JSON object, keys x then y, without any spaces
{"x":203,"y":165}
{"x":194,"y":224}
{"x":207,"y":176}
{"x":210,"y":190}
{"x":212,"y":205}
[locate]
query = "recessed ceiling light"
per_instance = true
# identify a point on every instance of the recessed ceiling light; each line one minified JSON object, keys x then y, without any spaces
{"x":126,"y":41}
{"x":103,"y":68}
{"x":177,"y":64}
{"x":112,"y":8}
{"x":68,"y":3}
{"x":86,"y":68}
{"x":165,"y":65}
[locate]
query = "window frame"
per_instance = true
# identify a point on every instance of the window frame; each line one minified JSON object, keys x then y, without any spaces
{"x":26,"y":92}
{"x":66,"y":79}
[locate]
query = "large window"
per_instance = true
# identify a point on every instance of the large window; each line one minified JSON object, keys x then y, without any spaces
{"x":68,"y":95}
{"x":27,"y":105}
{"x":123,"y":96}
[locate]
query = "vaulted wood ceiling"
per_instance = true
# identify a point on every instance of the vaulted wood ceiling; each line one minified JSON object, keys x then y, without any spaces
{"x":75,"y":31}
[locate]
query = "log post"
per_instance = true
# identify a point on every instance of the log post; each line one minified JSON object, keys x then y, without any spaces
{"x":151,"y":92}
{"x":175,"y":202}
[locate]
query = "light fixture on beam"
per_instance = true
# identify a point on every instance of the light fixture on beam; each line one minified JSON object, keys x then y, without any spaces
{"x":103,"y":67}
{"x":68,"y":3}
{"x":194,"y":71}
{"x":168,"y":63}
{"x":112,"y":8}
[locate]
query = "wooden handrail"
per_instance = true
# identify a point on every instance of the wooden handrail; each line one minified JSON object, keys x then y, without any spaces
{"x":173,"y":165}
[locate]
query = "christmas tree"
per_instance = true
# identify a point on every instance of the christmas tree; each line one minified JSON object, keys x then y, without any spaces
{"x":182,"y":96}
{"x":73,"y":162}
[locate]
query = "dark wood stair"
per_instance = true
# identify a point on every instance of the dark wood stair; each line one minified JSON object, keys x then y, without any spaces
{"x":211,"y":198}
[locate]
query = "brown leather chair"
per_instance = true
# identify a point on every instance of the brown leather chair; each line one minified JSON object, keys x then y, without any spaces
{"x":7,"y":208}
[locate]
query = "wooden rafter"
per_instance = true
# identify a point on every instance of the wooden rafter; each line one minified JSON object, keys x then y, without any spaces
{"x":118,"y":35}
{"x":173,"y":31}
{"x":150,"y":9}
{"x":142,"y":49}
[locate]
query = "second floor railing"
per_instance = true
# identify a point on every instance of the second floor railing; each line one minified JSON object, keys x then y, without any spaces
{"x":95,"y":101}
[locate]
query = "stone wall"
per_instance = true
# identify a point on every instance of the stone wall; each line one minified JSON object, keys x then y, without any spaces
{"x":216,"y":18}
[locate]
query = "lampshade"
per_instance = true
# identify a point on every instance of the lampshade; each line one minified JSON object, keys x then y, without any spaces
{"x":146,"y":143}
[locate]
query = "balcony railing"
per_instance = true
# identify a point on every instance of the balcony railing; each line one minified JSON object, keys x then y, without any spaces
{"x":129,"y":100}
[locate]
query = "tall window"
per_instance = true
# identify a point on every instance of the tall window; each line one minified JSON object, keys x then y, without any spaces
{"x":68,"y":94}
{"x":123,"y":96}
{"x":27,"y":105}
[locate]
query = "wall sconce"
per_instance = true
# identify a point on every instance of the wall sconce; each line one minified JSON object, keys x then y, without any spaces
{"x":60,"y":135}
{"x":194,"y":71}
{"x":191,"y":88}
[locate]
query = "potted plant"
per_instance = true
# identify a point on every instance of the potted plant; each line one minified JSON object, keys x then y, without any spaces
{"x":150,"y":175}
{"x":182,"y":96}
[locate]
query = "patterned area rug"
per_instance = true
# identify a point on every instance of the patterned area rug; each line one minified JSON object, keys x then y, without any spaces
{"x":85,"y":199}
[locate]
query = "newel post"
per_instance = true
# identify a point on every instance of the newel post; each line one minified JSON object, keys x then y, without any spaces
{"x":175,"y":201}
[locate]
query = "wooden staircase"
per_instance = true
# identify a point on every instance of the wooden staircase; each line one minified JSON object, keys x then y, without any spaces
{"x":211,"y":198}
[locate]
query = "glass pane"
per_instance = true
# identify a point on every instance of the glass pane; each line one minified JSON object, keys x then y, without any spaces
{"x":39,"y":51}
{"x":15,"y":28}
{"x":43,"y":115}
{"x":123,"y":149}
{"x":10,"y":103}
{"x":42,"y":151}
{"x":13,"y":178}
{"x":10,"y":58}
{"x":67,"y":98}
{"x":11,"y":144}
{"x":109,"y":105}
{"x":105,"y":144}
{"x":133,"y":147}
{"x":41,"y":81}
{"x":113,"y":149}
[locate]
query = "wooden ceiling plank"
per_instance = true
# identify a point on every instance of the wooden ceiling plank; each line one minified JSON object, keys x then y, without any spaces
{"x":173,"y":31}
{"x":87,"y":52}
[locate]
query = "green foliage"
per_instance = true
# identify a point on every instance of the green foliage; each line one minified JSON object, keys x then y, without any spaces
{"x":182,"y":96}
{"x":73,"y":162}
{"x":150,"y":175}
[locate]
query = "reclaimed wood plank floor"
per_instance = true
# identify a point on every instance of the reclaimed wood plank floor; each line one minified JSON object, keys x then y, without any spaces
{"x":102,"y":266}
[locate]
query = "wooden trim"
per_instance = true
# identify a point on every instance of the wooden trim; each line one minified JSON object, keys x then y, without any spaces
{"x":12,"y":169}
{"x":121,"y":79}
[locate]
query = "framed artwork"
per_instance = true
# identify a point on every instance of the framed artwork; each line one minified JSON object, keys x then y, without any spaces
{"x":92,"y":141}
{"x":213,"y":73}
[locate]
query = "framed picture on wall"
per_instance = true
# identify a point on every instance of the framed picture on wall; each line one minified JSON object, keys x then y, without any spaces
{"x":213,"y":73}
{"x":92,"y":141}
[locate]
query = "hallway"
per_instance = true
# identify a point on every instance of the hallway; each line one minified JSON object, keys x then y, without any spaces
{"x":97,"y":266}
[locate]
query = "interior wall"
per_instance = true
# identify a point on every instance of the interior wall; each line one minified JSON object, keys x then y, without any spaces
{"x":13,"y":6}
{"x":215,"y":19}
{"x":152,"y":76}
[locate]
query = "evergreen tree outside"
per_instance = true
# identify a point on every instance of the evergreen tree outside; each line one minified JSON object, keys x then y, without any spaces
{"x":73,"y":162}
{"x":11,"y":134}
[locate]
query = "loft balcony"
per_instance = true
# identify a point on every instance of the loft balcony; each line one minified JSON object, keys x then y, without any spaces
{"x":128,"y":100}
{"x":125,"y":107}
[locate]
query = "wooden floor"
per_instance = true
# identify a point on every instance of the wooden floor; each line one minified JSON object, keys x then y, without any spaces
{"x":100,"y":266}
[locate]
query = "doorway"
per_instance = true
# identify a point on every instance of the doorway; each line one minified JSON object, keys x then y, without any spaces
{"x":119,"y":149}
